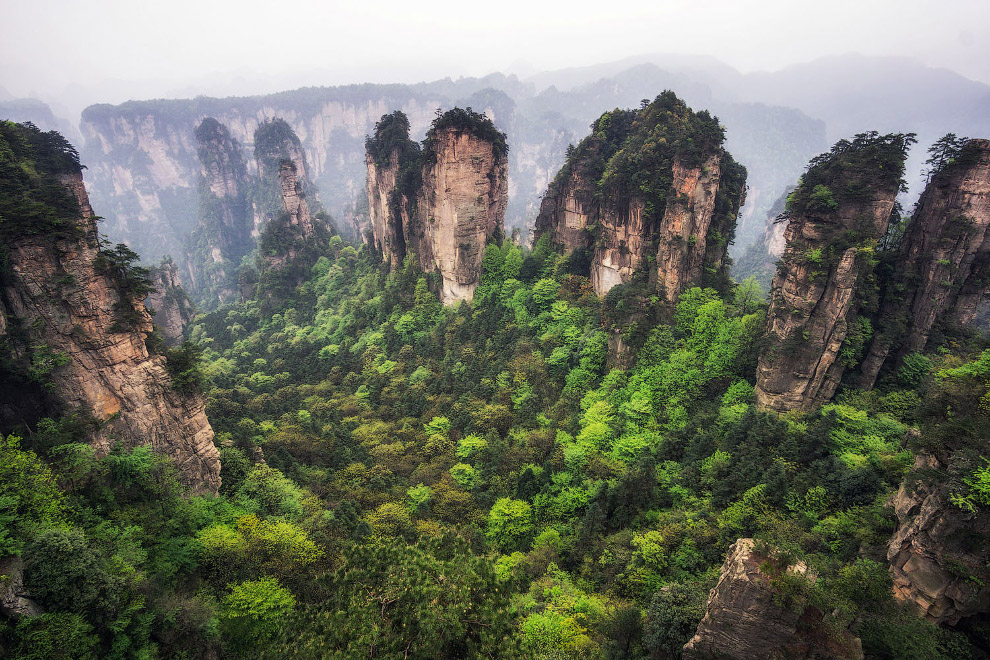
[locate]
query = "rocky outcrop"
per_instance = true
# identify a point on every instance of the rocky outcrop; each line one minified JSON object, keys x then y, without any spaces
{"x":464,"y":195}
{"x":81,"y":326}
{"x":745,"y":618}
{"x":15,"y":601}
{"x":643,"y":188}
{"x":292,"y":238}
{"x":943,"y":263}
{"x":224,"y":233}
{"x":172,"y":310}
{"x":385,"y":202}
{"x":447,"y":211}
{"x":931,"y":555}
{"x":836,"y":217}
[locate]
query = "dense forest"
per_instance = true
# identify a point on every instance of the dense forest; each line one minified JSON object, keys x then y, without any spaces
{"x":402,"y":479}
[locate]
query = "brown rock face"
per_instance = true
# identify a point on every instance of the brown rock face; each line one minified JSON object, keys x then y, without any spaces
{"x":943,"y":266}
{"x":830,"y":244}
{"x":567,"y":212}
{"x":455,"y":208}
{"x":463,"y":202}
{"x":382,"y":190}
{"x":296,"y":219}
{"x":931,"y":565}
{"x":173,"y":309}
{"x":745,"y":620}
{"x":56,"y":294}
{"x":601,"y":202}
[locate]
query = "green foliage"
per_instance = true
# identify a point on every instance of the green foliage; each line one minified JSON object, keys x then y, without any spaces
{"x":30,"y":499}
{"x":252,"y":613}
{"x":397,"y":600}
{"x":851,"y":169}
{"x":185,"y":366}
{"x":466,"y":120}
{"x":32,"y":200}
{"x":510,"y":524}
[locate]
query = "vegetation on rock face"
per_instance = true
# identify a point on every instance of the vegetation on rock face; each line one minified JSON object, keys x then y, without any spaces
{"x":402,"y":479}
{"x":466,"y":120}
{"x":32,"y":201}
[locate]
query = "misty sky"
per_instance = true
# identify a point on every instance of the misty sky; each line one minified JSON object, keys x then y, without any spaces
{"x":73,"y":52}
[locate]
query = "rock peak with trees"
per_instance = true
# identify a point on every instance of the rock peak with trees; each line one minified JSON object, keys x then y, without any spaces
{"x":440,"y":202}
{"x":77,"y":341}
{"x":651,"y":194}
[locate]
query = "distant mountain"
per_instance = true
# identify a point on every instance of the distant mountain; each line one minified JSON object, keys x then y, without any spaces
{"x":38,"y":113}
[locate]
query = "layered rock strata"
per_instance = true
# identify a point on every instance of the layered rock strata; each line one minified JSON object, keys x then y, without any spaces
{"x":746,"y":617}
{"x":68,"y":317}
{"x":643,"y":190}
{"x":933,"y":564}
{"x":836,"y":217}
{"x":446,"y":210}
{"x":943,"y":263}
{"x":169,"y":303}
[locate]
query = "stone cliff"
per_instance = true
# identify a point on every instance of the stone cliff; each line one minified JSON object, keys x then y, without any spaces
{"x":294,"y":230}
{"x":747,"y":619}
{"x":224,"y":233}
{"x":649,"y":191}
{"x":446,"y":210}
{"x":942,"y":269}
{"x":74,"y":327}
{"x":934,"y":562}
{"x":171,"y":306}
{"x":837,"y":215}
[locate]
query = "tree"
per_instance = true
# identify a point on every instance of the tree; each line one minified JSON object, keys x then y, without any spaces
{"x":510,"y":524}
{"x":251,"y":614}
{"x":672,"y":618}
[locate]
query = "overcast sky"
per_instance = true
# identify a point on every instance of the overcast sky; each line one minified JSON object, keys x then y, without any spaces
{"x":78,"y":52}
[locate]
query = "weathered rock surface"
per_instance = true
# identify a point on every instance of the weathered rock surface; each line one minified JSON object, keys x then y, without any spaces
{"x":744,"y":619}
{"x":933,"y":566}
{"x":943,"y":265}
{"x":172,"y":308}
{"x":226,"y":223}
{"x":15,"y":601}
{"x":686,"y":225}
{"x":464,"y":195}
{"x":830,"y":243}
{"x":61,"y":302}
{"x":456,"y":207}
{"x":383,"y":207}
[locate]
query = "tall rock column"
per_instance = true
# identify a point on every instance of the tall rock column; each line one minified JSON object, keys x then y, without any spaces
{"x":464,"y":196}
{"x":224,"y":233}
{"x":650,"y":184}
{"x":943,"y":264}
{"x":443,"y":202}
{"x":836,"y":216}
{"x":82,"y":328}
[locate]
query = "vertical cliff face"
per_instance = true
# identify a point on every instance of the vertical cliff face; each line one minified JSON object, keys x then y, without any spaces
{"x":648,"y":185}
{"x":942,"y":269}
{"x":747,"y":618}
{"x":293,"y":236}
{"x":836,"y":216}
{"x":442,"y":203}
{"x":172,"y":308}
{"x":462,"y":206}
{"x":74,"y":315}
{"x":382,"y":189}
{"x":224,"y":233}
{"x":933,"y":560}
